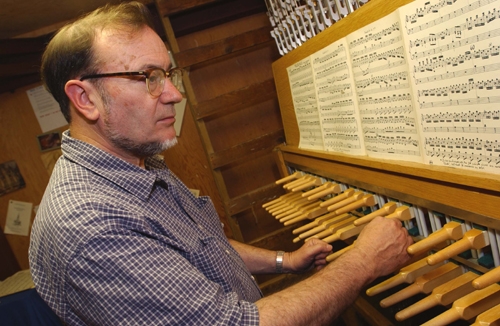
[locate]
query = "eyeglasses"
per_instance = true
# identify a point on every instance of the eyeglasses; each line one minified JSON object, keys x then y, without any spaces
{"x":155,"y":78}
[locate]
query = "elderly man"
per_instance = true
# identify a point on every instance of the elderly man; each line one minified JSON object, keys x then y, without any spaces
{"x":118,"y":239}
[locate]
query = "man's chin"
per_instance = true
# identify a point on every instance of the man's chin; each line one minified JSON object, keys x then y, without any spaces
{"x":169,"y":143}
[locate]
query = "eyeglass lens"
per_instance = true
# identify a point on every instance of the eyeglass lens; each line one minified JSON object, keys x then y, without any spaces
{"x":156,"y":80}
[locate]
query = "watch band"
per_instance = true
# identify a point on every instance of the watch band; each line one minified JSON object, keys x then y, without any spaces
{"x":279,"y":261}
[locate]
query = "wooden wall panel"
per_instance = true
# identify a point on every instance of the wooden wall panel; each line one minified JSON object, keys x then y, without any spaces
{"x":18,"y":130}
{"x":251,"y":123}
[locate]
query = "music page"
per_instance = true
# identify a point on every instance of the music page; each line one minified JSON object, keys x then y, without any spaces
{"x":384,"y":90}
{"x":337,"y":102}
{"x":454,"y":62}
{"x":305,"y":104}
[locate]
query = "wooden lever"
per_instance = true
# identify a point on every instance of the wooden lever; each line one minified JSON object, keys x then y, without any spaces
{"x":319,"y":192}
{"x":424,"y":284}
{"x":450,"y":231}
{"x":291,"y":177}
{"x":442,"y":295}
{"x":401,"y":213}
{"x":407,"y":274}
{"x":298,"y":182}
{"x":315,"y":223}
{"x":312,"y":182}
{"x":332,"y":229}
{"x":349,"y":200}
{"x":490,"y":317}
{"x":323,"y":225}
{"x":283,"y":201}
{"x":338,"y":198}
{"x":493,"y":276}
{"x":345,"y":206}
{"x":346,"y":232}
{"x":339,"y":253}
{"x":473,"y":239}
{"x":307,"y":214}
{"x":292,"y":219}
{"x":290,"y":206}
{"x":385,"y":210}
{"x":297,"y":211}
{"x":366,"y":200}
{"x":468,"y":306}
{"x":278,"y":201}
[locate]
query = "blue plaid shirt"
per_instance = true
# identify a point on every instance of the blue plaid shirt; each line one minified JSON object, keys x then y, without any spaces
{"x":114,"y":244}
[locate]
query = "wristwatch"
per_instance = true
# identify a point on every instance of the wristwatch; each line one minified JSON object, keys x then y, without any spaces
{"x":279,"y":261}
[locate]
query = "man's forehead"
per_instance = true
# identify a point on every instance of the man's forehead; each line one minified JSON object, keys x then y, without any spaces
{"x":114,"y":45}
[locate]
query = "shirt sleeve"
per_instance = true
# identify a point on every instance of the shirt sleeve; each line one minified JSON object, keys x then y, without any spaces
{"x":129,"y":278}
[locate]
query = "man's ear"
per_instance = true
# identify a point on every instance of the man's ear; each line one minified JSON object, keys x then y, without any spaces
{"x":79,"y":94}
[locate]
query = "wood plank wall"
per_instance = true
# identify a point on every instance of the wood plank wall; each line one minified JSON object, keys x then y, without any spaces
{"x":18,"y":131}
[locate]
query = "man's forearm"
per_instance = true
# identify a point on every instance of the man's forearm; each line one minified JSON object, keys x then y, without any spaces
{"x":319,"y":299}
{"x":258,"y":260}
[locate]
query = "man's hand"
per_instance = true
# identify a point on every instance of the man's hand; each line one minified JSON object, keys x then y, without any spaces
{"x":382,"y":245}
{"x":311,"y":254}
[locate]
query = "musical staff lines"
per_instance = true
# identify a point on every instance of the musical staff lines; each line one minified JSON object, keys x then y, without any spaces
{"x":443,"y":18}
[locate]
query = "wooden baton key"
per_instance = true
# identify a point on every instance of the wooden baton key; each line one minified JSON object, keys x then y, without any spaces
{"x":450,"y":231}
{"x":323,"y":226}
{"x":490,"y":317}
{"x":339,"y":253}
{"x":283,"y":201}
{"x":298,"y":211}
{"x":298,"y":182}
{"x":468,"y":306}
{"x":366,"y":200}
{"x":401,"y":213}
{"x":278,"y":201}
{"x":424,"y":284}
{"x":298,"y":202}
{"x":442,"y":295}
{"x":493,"y":276}
{"x":312,"y":182}
{"x":319,"y":192}
{"x":472,"y":239}
{"x":407,"y":274}
{"x":289,"y":178}
{"x":317,"y":222}
{"x":346,"y":232}
{"x":349,"y":200}
{"x":332,"y":229}
{"x":338,"y":198}
{"x":385,"y":210}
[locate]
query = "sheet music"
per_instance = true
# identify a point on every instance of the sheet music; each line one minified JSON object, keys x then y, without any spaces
{"x":384,"y":91}
{"x":454,"y":61}
{"x":337,"y":102}
{"x":305,"y":104}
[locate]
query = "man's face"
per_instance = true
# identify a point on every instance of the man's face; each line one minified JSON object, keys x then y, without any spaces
{"x":133,"y":123}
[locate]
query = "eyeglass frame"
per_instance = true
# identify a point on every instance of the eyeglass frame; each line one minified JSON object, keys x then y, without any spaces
{"x":146,"y":73}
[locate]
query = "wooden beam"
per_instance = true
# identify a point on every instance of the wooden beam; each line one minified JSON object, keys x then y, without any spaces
{"x":248,"y":150}
{"x":224,"y":47}
{"x":236,"y":100}
{"x":170,"y":7}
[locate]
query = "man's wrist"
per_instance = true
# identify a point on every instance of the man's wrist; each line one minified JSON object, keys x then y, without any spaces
{"x":280,"y":255}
